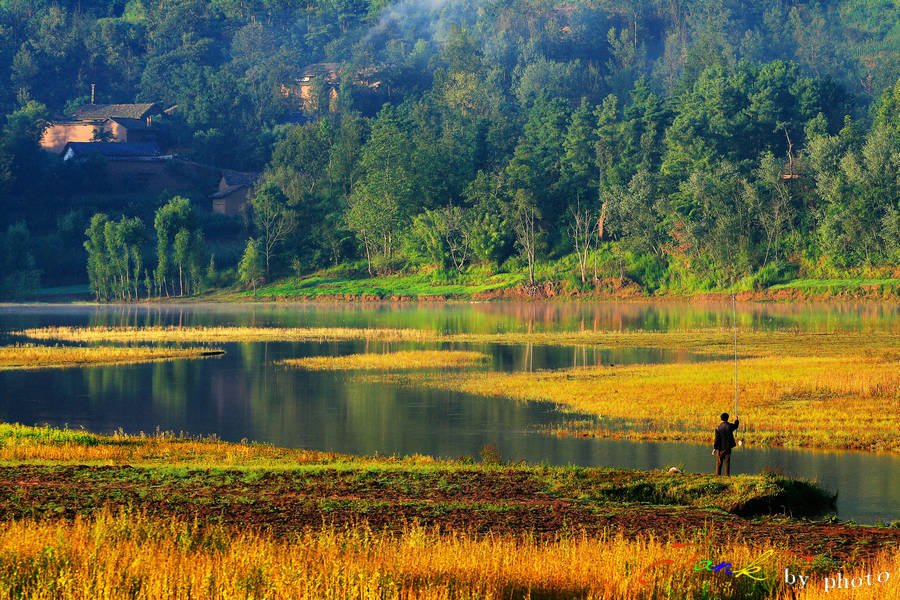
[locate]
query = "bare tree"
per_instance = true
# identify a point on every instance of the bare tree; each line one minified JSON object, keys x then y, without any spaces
{"x":456,"y":236}
{"x":525,"y":220}
{"x":581,"y":228}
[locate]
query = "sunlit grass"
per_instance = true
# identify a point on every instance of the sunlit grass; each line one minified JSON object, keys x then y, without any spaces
{"x":708,"y":341}
{"x":28,"y":356}
{"x":388,"y":286}
{"x":826,"y":402}
{"x":390,"y":361}
{"x":129,"y":555}
{"x":221,"y":334}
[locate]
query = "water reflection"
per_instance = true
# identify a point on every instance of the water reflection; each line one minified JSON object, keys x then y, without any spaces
{"x":244,"y":395}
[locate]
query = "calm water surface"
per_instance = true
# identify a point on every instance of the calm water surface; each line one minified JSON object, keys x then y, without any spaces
{"x":243,"y":395}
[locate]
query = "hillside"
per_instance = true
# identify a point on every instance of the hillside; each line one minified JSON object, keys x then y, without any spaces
{"x":680,"y":145}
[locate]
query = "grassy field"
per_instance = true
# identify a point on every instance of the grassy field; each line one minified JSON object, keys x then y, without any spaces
{"x":28,"y":356}
{"x":425,"y":285}
{"x":388,"y":286}
{"x":390,"y":361}
{"x":839,"y":285}
{"x":89,"y":516}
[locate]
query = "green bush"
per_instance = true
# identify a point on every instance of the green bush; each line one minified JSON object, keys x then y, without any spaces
{"x":773,"y":274}
{"x":648,"y":270}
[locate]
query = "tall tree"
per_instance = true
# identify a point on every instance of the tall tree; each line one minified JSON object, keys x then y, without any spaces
{"x":274,"y":220}
{"x":381,"y":199}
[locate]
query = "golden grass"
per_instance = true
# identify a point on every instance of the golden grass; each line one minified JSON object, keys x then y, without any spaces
{"x":125,"y":555}
{"x":221,"y":334}
{"x":390,"y":361}
{"x":28,"y":356}
{"x":704,"y":341}
{"x":825,"y":402}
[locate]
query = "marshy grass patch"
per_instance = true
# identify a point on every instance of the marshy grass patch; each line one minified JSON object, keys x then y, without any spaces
{"x":31,"y":356}
{"x":712,"y":341}
{"x":221,"y":334}
{"x":855,"y":399}
{"x":390,"y":361}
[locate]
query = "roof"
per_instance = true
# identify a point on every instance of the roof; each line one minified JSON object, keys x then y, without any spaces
{"x":227,"y":191}
{"x":131,"y":123}
{"x":294,"y":118}
{"x":112,"y":149}
{"x":89,"y":112}
{"x":322,"y":68}
{"x":238,"y":178}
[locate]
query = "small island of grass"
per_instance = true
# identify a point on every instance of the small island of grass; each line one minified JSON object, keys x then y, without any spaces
{"x":28,"y":356}
{"x":390,"y":361}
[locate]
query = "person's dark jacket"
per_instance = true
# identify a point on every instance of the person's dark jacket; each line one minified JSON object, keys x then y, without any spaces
{"x":725,"y":435}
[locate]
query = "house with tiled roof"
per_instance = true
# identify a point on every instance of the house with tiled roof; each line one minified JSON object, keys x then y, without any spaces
{"x":123,"y":123}
{"x":113,"y":151}
{"x":101,"y":112}
{"x":319,"y":82}
{"x":233,"y":194}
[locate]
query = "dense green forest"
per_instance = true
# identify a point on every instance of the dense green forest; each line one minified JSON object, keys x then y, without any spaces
{"x":679,"y":143}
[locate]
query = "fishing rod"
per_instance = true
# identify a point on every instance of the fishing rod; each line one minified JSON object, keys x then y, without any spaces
{"x":734,"y":326}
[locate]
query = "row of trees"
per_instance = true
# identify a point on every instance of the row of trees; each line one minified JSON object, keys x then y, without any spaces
{"x":115,"y":250}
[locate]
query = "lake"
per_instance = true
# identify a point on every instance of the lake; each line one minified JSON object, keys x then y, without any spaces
{"x":243,"y":395}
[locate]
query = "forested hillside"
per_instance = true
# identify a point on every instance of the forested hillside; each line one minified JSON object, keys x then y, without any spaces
{"x":680,"y":144}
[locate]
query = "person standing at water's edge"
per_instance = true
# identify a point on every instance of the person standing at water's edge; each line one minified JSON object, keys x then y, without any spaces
{"x":724,"y":443}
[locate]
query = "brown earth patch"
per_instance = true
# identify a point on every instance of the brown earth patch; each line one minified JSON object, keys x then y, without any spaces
{"x":471,"y":501}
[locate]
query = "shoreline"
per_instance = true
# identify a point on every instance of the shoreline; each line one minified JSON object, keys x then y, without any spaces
{"x":746,"y":298}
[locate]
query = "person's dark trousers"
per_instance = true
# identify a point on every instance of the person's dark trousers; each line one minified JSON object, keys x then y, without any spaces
{"x":723,"y":458}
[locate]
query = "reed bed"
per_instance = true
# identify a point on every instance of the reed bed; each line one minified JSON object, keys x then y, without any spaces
{"x":129,"y":555}
{"x":29,"y":356}
{"x":390,"y":361}
{"x":702,"y":341}
{"x":825,"y":402}
{"x":222,"y":334}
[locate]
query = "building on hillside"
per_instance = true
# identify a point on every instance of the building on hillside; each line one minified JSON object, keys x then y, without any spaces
{"x":233,"y":194}
{"x":320,"y":81}
{"x":122,"y":123}
{"x":136,"y":167}
{"x":113,"y":151}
